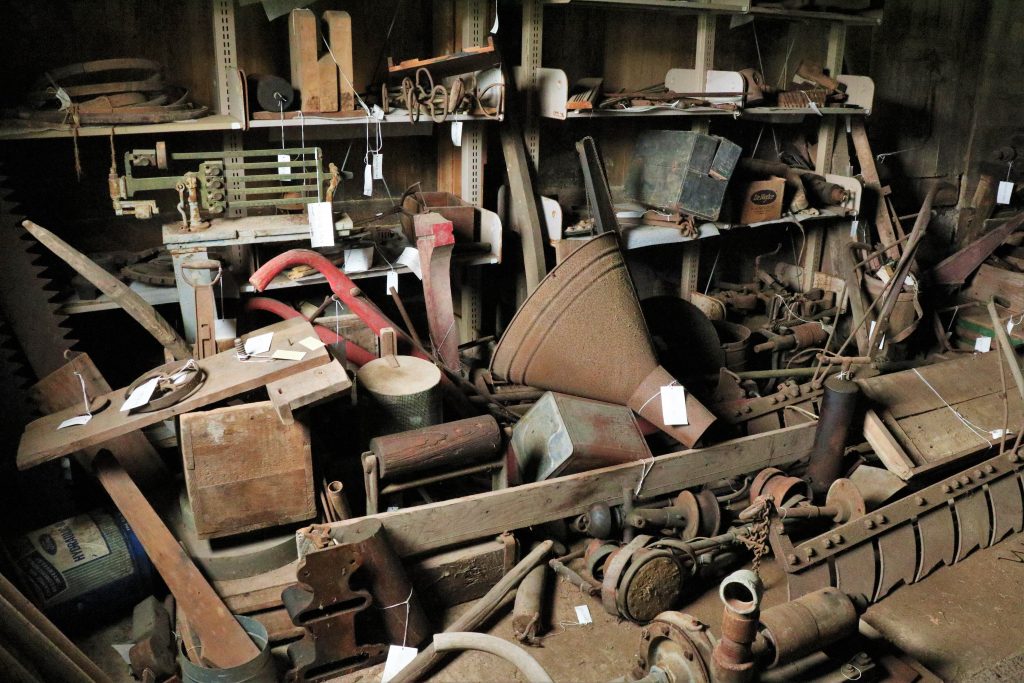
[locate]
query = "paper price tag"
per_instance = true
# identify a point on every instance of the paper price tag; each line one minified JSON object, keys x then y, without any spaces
{"x":854,"y":225}
{"x":457,"y":133}
{"x":814,"y":107}
{"x":283,"y":159}
{"x":75,"y":421}
{"x":410,"y":258}
{"x":1000,"y":433}
{"x":673,"y":405}
{"x":377,"y":113}
{"x":1009,"y":326}
{"x":288,"y":354}
{"x":983,"y":344}
{"x":311,"y":343}
{"x":259,"y":343}
{"x":140,"y":396}
{"x":583,"y":614}
{"x":392,"y":282}
{"x":393,"y":508}
{"x":871,"y":331}
{"x":1005,"y":192}
{"x":398,"y":658}
{"x":378,"y":166}
{"x":321,"y":225}
{"x":368,"y":180}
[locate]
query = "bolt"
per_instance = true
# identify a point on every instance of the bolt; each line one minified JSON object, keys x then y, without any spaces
{"x":645,"y":635}
{"x":848,"y":670}
{"x":810,"y":552}
{"x":748,"y":409}
{"x":946,"y":488}
{"x":979,"y":474}
{"x":689,"y":655}
{"x":920,"y":501}
{"x":738,"y":413}
{"x":774,"y":399}
{"x":869,"y":524}
{"x":965,"y":480}
{"x":989,"y":468}
{"x":836,"y":538}
{"x":881,"y":519}
{"x":827,"y":543}
{"x":792,"y":559}
{"x":1013,"y":457}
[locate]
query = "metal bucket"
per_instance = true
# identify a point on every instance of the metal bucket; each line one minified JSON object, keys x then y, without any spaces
{"x":582,"y":333}
{"x":735,"y":340}
{"x":91,"y":564}
{"x":259,"y":669}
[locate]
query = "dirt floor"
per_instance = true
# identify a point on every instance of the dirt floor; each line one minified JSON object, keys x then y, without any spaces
{"x":963,"y":622}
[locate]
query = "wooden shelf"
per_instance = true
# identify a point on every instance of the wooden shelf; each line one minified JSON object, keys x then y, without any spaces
{"x":741,"y":7}
{"x":23,"y":129}
{"x":152,"y":294}
{"x":394,"y":118}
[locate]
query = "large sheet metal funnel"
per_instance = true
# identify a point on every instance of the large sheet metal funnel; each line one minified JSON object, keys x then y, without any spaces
{"x":581,"y":332}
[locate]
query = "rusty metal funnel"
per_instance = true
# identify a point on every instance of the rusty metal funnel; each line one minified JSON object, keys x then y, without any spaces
{"x":582,"y":333}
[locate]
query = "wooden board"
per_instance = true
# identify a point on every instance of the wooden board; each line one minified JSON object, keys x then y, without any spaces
{"x":225,"y":643}
{"x":339,"y":35}
{"x":1005,"y":286}
{"x":226,"y":377}
{"x":307,"y":388}
{"x":883,"y":222}
{"x":244,"y":470}
{"x":437,"y":525}
{"x":302,"y":52}
{"x":61,"y":389}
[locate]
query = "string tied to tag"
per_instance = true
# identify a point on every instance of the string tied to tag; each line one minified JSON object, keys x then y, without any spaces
{"x":405,"y":632}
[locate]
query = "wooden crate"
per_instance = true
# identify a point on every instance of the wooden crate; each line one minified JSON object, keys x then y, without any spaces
{"x":245,"y":470}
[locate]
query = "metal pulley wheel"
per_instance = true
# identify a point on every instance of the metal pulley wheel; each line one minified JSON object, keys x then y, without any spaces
{"x":678,"y":645}
{"x":703,"y":516}
{"x":177,"y":381}
{"x":651,"y":584}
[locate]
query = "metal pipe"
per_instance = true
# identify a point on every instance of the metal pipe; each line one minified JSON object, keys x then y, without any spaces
{"x":517,"y":656}
{"x":338,"y":502}
{"x":837,"y":407}
{"x":732,"y":660}
{"x":527,"y":607}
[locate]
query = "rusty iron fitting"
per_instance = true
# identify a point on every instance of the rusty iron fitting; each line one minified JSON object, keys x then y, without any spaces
{"x":732,"y":660}
{"x":794,"y":629}
{"x":783,"y":489}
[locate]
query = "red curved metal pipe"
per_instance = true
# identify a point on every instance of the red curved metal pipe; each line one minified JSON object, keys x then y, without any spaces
{"x":354,"y":353}
{"x":340,"y":284}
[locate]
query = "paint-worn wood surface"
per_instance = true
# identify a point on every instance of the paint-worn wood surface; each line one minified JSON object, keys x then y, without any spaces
{"x":1006,"y":286}
{"x":437,"y":525}
{"x":61,"y":389}
{"x":226,"y":377}
{"x":862,"y":147}
{"x":339,"y":34}
{"x":307,"y":388}
{"x":225,"y":642}
{"x":302,"y":52}
{"x":244,"y":470}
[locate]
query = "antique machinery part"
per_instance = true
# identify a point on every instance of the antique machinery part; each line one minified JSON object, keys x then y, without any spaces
{"x":206,"y":305}
{"x":435,"y":241}
{"x":692,"y":515}
{"x":273,"y":93}
{"x":842,"y":504}
{"x":905,"y":541}
{"x":354,"y":354}
{"x":783,"y":489}
{"x":526,"y":611}
{"x":794,"y":629}
{"x":640,"y":582}
{"x":732,"y":660}
{"x":26,"y":296}
{"x":595,"y":182}
{"x":837,"y":408}
{"x":176,"y":382}
{"x":600,"y":521}
{"x":802,"y":336}
{"x":119,"y":292}
{"x":156,"y":271}
{"x":517,"y":656}
{"x":748,"y":409}
{"x":586,"y":585}
{"x":592,"y":287}
{"x":325,"y":605}
{"x":597,"y":556}
{"x":335,"y":493}
{"x":207,"y":187}
{"x":674,"y":648}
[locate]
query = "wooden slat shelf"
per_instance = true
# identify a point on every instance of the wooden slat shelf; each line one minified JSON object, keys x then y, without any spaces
{"x":19,"y":129}
{"x":394,"y":118}
{"x":740,"y":7}
{"x":753,"y":113}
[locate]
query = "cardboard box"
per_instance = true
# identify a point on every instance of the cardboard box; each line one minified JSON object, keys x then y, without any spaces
{"x":762,"y":201}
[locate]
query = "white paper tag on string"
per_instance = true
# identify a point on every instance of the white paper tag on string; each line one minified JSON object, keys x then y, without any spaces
{"x":259,"y":343}
{"x":140,"y":396}
{"x":225,"y":328}
{"x":410,"y":258}
{"x":368,"y":180}
{"x":1009,"y":326}
{"x":283,"y":159}
{"x":673,"y":405}
{"x":377,"y":113}
{"x":814,"y":107}
{"x":378,"y":166}
{"x":457,"y":133}
{"x":1000,"y":433}
{"x":321,"y":225}
{"x":392,"y":281}
{"x":288,"y":354}
{"x":398,"y":658}
{"x":75,"y":421}
{"x":871,"y":331}
{"x":983,"y":344}
{"x":311,"y":343}
{"x":494,"y":27}
{"x":854,"y":225}
{"x":583,"y":614}
{"x":1005,"y":192}
{"x":393,"y":508}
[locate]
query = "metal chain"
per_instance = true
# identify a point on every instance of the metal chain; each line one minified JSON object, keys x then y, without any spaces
{"x":756,"y":536}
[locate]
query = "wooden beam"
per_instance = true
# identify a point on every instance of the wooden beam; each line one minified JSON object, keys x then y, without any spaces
{"x":225,"y":642}
{"x":226,"y":376}
{"x":524,"y":203}
{"x":437,"y":525}
{"x":866,"y":160}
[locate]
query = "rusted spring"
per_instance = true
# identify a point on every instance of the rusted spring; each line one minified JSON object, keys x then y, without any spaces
{"x":478,"y":96}
{"x":438,"y":94}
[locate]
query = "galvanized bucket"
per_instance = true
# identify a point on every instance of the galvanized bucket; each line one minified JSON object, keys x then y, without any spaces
{"x":260,"y":669}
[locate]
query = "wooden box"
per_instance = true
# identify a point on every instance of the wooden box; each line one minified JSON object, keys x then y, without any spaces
{"x":245,"y":470}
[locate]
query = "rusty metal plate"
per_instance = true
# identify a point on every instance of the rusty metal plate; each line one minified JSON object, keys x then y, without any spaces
{"x":857,"y":572}
{"x":974,"y":528}
{"x":898,"y":556}
{"x":1007,"y":507}
{"x":936,"y":531}
{"x":808,"y":581}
